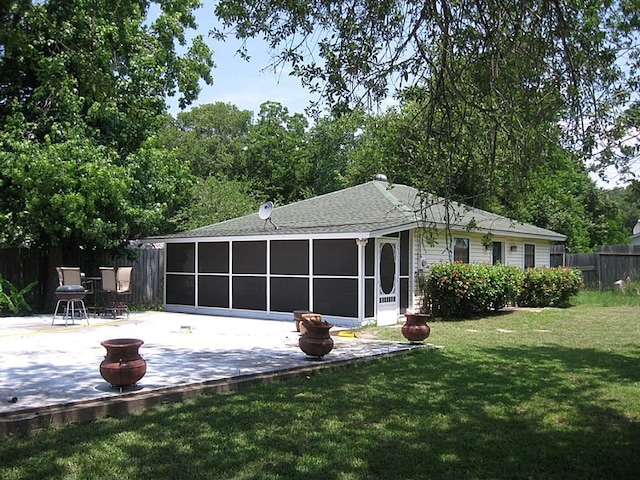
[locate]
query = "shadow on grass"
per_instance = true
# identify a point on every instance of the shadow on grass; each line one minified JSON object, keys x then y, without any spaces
{"x":521,"y":412}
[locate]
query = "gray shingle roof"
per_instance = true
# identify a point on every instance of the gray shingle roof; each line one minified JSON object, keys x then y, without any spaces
{"x":368,"y":210}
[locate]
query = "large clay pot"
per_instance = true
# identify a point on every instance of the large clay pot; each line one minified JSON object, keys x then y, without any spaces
{"x":123,"y":366}
{"x":316,"y":339}
{"x":415,"y":328}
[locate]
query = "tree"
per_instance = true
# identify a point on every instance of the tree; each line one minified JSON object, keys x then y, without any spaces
{"x":76,"y":195}
{"x":211,"y":138}
{"x":82,"y":94}
{"x":627,"y":199}
{"x":215,"y":200}
{"x":103,"y":68}
{"x":330,"y":152}
{"x":274,"y":158}
{"x":554,"y":191}
{"x":491,"y":83}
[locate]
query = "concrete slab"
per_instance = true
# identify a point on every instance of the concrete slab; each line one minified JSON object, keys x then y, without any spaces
{"x":50,"y":373}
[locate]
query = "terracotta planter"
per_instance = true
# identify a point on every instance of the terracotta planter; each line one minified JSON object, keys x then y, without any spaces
{"x":415,"y":328}
{"x":123,"y":366}
{"x":316,"y":339}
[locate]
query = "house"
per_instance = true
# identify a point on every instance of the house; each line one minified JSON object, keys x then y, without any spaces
{"x":353,"y":255}
{"x":634,"y":239}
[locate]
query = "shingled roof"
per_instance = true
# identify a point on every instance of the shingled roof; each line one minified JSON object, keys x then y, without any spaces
{"x":368,"y":210}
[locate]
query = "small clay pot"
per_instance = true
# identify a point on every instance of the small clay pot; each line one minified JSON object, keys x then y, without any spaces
{"x":415,"y":328}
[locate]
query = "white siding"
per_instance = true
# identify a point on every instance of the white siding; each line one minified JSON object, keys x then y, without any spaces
{"x":543,"y":252}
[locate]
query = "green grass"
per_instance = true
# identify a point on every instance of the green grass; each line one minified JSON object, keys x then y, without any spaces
{"x":609,"y":299}
{"x":551,"y":393}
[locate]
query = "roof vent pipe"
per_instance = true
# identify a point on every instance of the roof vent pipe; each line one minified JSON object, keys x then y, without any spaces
{"x":380,"y":176}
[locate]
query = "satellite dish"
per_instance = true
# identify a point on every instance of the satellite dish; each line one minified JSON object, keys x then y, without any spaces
{"x":265,"y":211}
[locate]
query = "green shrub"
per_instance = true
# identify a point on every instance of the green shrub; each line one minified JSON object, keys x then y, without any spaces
{"x":12,"y":299}
{"x":460,"y":289}
{"x":545,"y":287}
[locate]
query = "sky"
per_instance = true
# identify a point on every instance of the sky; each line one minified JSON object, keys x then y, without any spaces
{"x":241,"y":83}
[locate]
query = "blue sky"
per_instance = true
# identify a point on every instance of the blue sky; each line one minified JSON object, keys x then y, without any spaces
{"x":241,"y":83}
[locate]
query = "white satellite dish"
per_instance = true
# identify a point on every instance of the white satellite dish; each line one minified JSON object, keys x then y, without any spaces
{"x":265,"y":211}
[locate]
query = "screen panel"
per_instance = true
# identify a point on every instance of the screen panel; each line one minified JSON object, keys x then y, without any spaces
{"x":250,"y":257}
{"x":336,"y":296}
{"x":290,"y":257}
{"x":404,"y":294}
{"x":369,"y":297}
{"x":335,"y":257}
{"x":250,"y":293}
{"x":213,"y":291}
{"x":181,"y":289}
{"x":387,"y":268}
{"x":289,"y":294}
{"x":370,"y":258}
{"x":181,"y":257}
{"x":404,"y":253}
{"x":213,"y":257}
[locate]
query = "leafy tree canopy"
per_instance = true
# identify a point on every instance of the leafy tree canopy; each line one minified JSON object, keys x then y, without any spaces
{"x":82,"y":93}
{"x":276,"y":156}
{"x":490,"y":78}
{"x":628,"y":201}
{"x":210,"y":138}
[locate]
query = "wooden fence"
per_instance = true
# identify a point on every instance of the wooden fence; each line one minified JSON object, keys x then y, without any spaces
{"x":609,"y":264}
{"x":22,"y":266}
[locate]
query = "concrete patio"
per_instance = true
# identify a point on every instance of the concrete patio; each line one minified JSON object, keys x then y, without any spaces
{"x":50,"y":373}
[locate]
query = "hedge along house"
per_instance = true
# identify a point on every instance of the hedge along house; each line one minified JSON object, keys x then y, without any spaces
{"x":353,"y":256}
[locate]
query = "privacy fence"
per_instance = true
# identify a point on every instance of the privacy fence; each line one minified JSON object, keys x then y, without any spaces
{"x":603,"y":268}
{"x":21,"y":266}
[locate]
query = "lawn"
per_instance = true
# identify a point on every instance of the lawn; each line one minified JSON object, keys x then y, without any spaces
{"x":550,"y":393}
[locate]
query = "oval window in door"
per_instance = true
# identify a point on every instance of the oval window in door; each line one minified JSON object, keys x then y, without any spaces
{"x":387,"y":268}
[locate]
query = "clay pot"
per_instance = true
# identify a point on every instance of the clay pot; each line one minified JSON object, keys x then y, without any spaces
{"x":123,"y":366}
{"x":415,"y":328}
{"x":315,"y":339}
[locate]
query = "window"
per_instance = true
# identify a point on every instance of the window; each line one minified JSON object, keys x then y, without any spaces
{"x":529,"y":255}
{"x":496,"y":254}
{"x":461,"y":250}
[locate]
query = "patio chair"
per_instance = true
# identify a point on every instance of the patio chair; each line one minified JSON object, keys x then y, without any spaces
{"x":73,"y":276}
{"x":116,"y":282}
{"x":69,"y":275}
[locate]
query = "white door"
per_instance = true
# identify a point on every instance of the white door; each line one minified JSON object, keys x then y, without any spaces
{"x":387,"y":280}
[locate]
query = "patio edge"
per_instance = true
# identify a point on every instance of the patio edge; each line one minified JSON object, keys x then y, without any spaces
{"x":26,"y":422}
